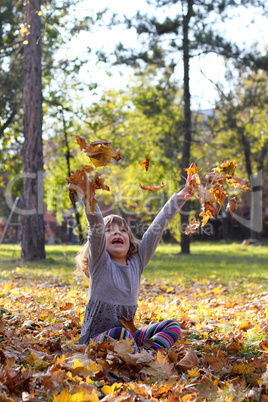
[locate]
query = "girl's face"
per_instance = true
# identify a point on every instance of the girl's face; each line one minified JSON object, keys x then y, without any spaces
{"x":117,"y":242}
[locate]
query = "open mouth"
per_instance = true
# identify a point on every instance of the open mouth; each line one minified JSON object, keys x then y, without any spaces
{"x":117,"y":241}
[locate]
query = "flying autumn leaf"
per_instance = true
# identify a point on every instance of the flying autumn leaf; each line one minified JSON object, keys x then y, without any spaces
{"x":88,"y":187}
{"x":193,"y":178}
{"x":100,"y":152}
{"x":241,"y":184}
{"x":232,"y":204}
{"x":152,"y":189}
{"x":227,"y":168}
{"x":145,"y":164}
{"x":192,"y":169}
{"x":192,"y":227}
{"x":212,"y":195}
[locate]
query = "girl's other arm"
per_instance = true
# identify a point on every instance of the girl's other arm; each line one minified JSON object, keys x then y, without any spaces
{"x":96,"y":231}
{"x":153,"y":234}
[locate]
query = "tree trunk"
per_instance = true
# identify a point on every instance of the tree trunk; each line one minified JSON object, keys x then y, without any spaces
{"x":33,"y":228}
{"x":185,"y":162}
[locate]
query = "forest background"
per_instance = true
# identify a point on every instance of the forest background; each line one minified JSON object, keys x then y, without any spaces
{"x":151,"y":114}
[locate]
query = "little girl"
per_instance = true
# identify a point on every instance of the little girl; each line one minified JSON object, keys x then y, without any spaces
{"x":114,"y":261}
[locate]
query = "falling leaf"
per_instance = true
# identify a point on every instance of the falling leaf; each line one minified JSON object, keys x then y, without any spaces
{"x":152,"y":189}
{"x":89,"y":185}
{"x":192,"y":169}
{"x":192,"y":227}
{"x":145,"y":164}
{"x":232,"y":204}
{"x":227,"y":168}
{"x":241,"y":184}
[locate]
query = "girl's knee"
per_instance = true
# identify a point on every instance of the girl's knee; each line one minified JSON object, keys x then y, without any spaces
{"x":119,"y":333}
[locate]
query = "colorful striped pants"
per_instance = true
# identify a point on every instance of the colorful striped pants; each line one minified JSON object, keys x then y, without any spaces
{"x":164,"y":334}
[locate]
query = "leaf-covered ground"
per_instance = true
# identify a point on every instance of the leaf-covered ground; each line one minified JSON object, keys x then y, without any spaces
{"x":221,"y":356}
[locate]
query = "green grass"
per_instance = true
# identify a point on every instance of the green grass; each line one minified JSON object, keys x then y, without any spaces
{"x":215,"y":261}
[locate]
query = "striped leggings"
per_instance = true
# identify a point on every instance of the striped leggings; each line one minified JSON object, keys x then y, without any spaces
{"x":164,"y":334}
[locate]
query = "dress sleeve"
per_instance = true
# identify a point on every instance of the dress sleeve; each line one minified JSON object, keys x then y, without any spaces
{"x":96,"y":239}
{"x":153,"y":234}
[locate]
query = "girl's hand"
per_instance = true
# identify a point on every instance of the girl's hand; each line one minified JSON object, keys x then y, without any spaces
{"x":190,"y":188}
{"x":82,"y":187}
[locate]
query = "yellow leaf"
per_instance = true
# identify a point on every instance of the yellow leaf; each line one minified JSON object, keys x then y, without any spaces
{"x":25,"y":42}
{"x":241,"y":369}
{"x":60,"y":359}
{"x":7,"y":287}
{"x":93,"y":367}
{"x":169,"y":290}
{"x":107,"y":389}
{"x":161,"y":298}
{"x":194,"y":372}
{"x":65,"y":396}
{"x":245,"y":325}
{"x":217,"y":290}
{"x":77,"y":364}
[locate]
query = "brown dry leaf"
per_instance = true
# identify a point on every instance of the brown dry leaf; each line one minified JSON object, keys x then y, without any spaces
{"x":2,"y":325}
{"x":101,"y":152}
{"x":160,"y":368}
{"x":192,"y":227}
{"x":232,"y":204}
{"x":125,"y":351}
{"x":189,"y":361}
{"x":234,"y":346}
{"x":128,"y":324}
{"x":152,"y":189}
{"x":215,"y":363}
{"x":81,"y":142}
{"x":241,"y":184}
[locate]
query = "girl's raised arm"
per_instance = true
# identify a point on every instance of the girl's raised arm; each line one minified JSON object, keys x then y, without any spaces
{"x":153,"y":234}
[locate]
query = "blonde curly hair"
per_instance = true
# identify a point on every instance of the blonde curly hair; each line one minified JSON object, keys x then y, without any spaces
{"x":81,"y":259}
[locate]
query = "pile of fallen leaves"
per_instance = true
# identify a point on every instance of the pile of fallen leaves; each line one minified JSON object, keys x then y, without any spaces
{"x":221,"y":356}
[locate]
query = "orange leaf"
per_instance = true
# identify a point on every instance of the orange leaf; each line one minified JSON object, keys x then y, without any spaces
{"x":152,"y":189}
{"x":192,"y":169}
{"x":145,"y":164}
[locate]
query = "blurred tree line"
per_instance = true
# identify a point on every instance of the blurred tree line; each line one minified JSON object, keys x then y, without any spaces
{"x":152,"y":116}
